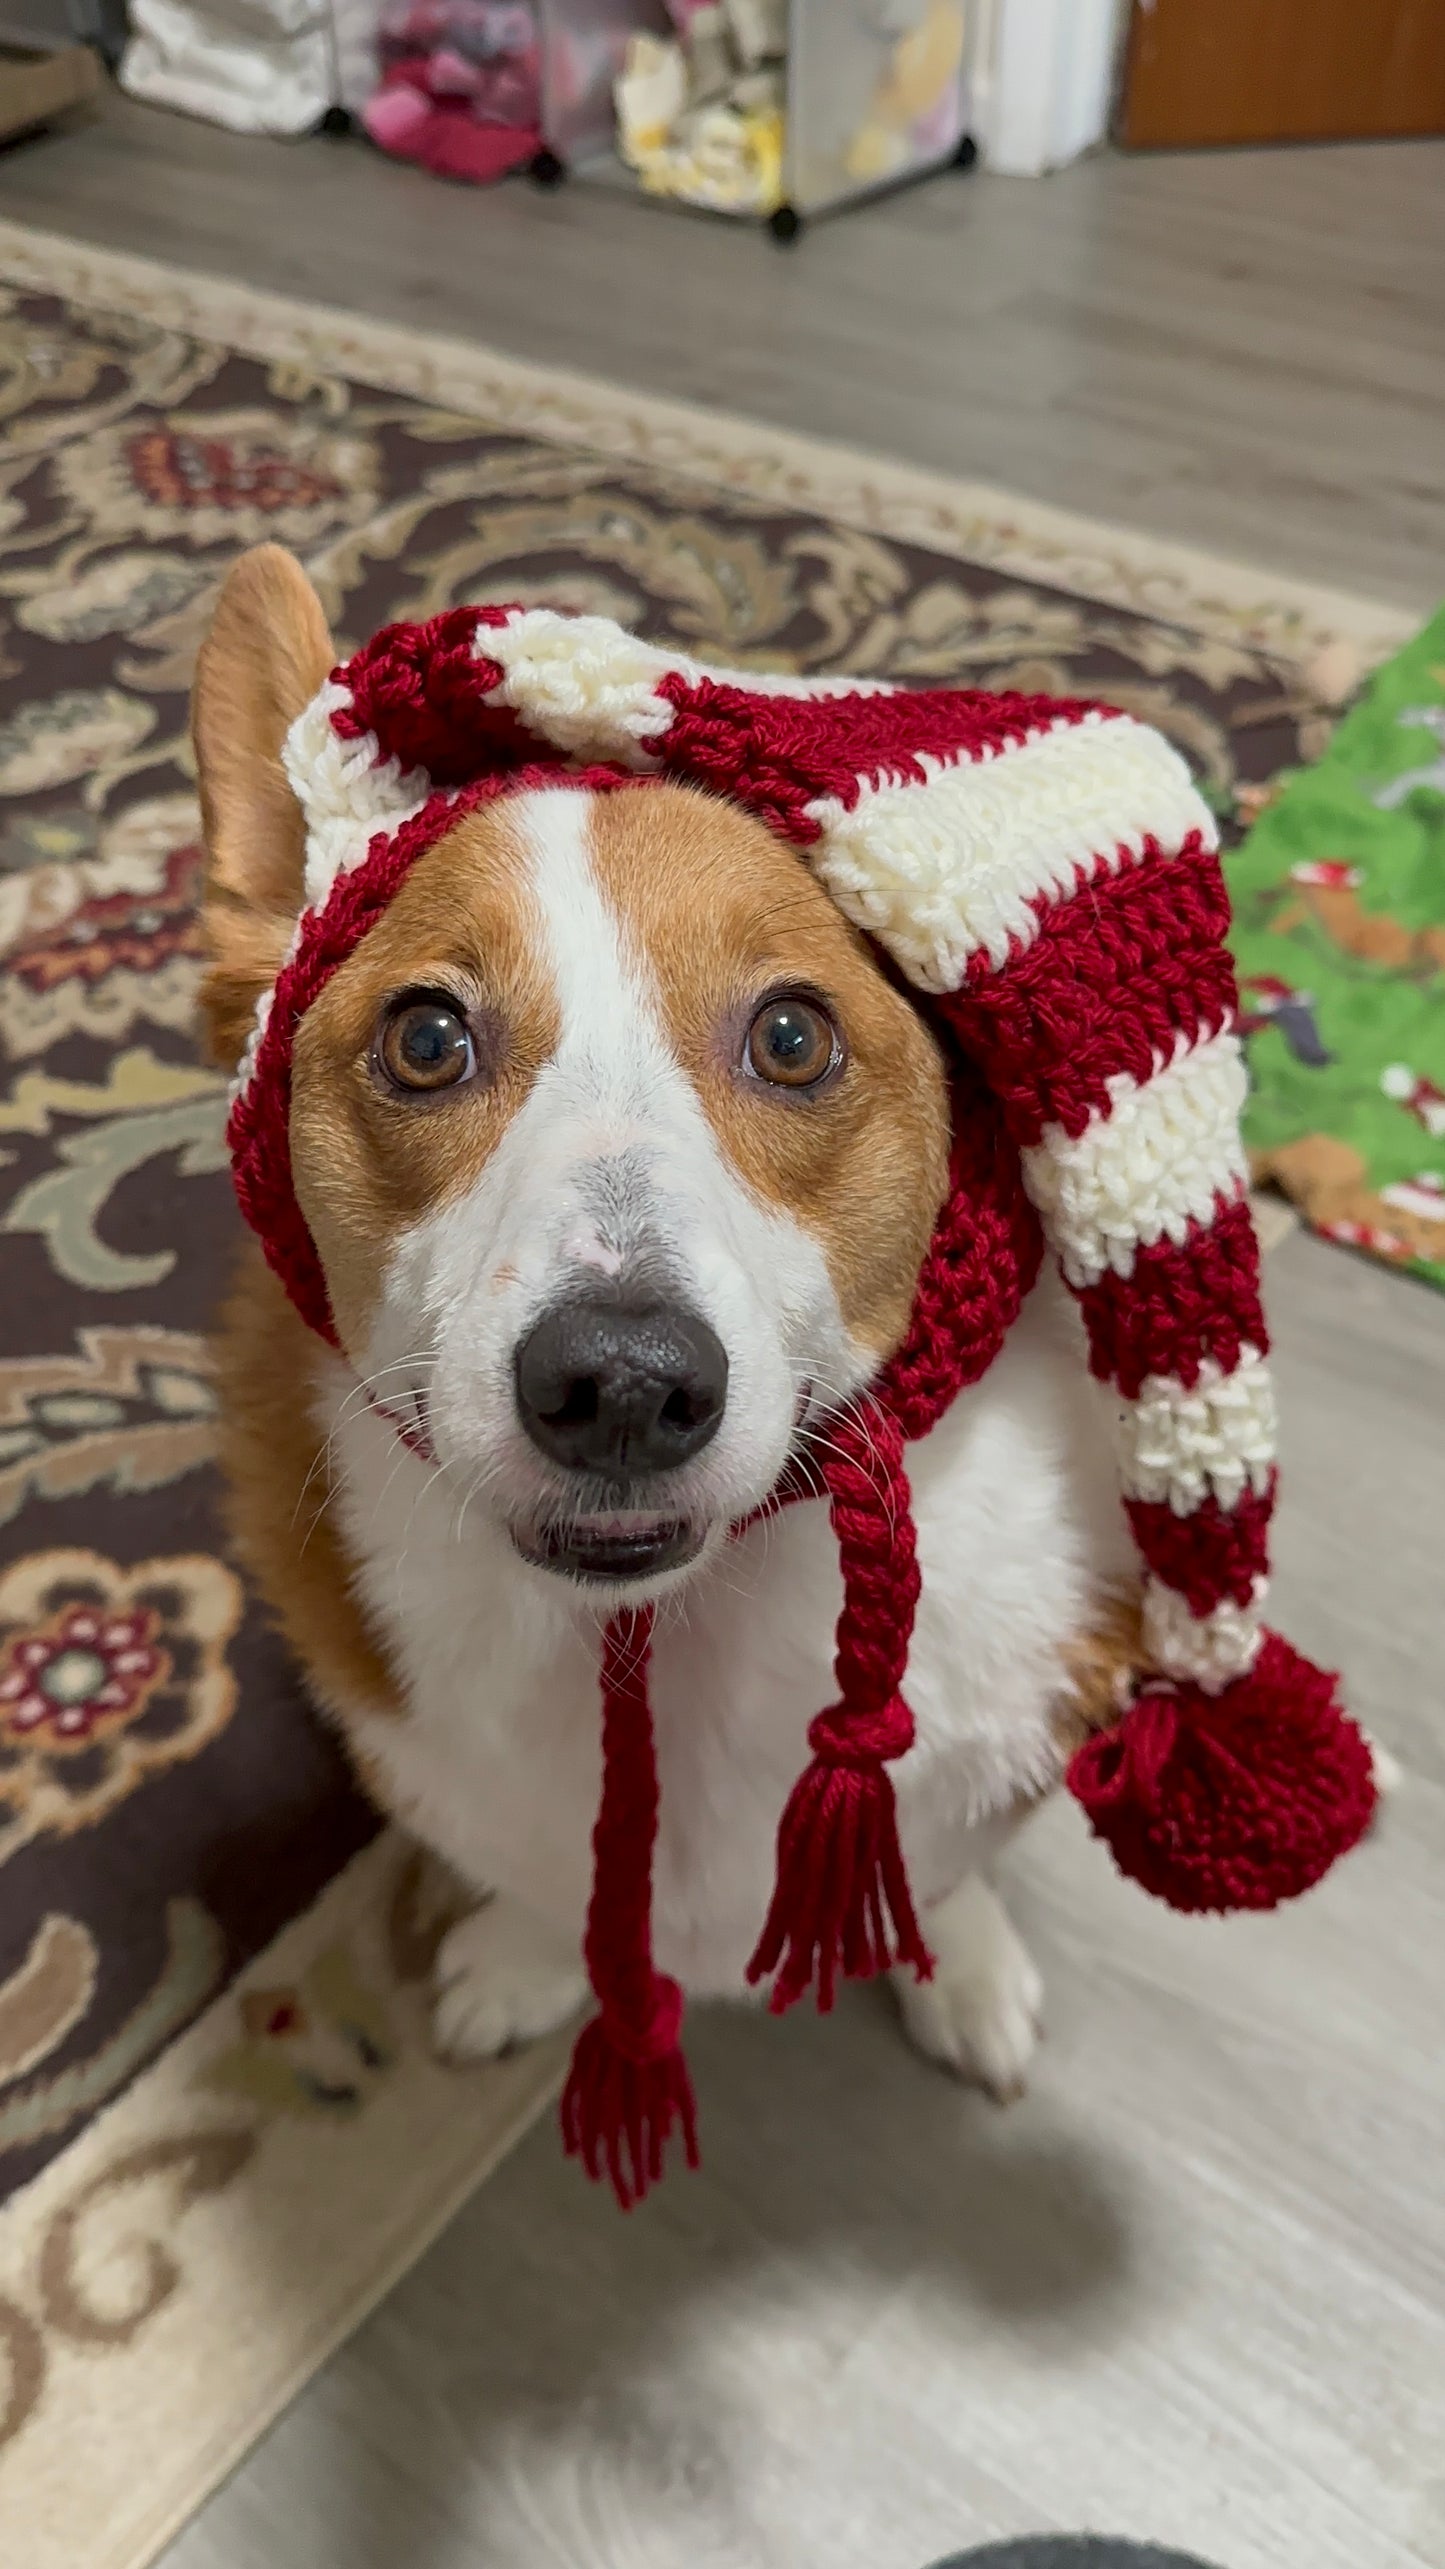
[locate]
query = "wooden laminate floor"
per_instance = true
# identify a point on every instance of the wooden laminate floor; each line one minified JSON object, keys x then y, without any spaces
{"x":1194,"y":2287}
{"x":1244,"y":350}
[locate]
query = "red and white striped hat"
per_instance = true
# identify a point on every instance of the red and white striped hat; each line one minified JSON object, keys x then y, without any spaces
{"x":1043,"y":874}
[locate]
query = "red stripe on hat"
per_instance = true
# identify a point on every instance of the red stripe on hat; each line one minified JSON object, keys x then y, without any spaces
{"x":422,"y":689}
{"x":1124,"y":969}
{"x":1179,"y":1305}
{"x":259,"y":1132}
{"x":777,"y":754}
{"x":983,"y":1260}
{"x":1211,"y":1557}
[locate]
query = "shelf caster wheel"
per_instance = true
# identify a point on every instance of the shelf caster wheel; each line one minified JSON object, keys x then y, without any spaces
{"x":545,"y":169}
{"x":965,"y":152}
{"x":785,"y":224}
{"x":337,"y":123}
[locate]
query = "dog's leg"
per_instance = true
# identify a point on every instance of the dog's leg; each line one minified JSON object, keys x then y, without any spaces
{"x":979,"y":2014}
{"x":502,"y":1978}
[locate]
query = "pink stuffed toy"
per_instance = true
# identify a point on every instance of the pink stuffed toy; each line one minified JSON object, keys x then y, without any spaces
{"x":460,"y":87}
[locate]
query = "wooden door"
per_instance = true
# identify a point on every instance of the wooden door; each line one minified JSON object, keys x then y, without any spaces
{"x":1269,"y":71}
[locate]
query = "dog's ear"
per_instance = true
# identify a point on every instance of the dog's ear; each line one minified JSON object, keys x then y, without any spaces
{"x":267,"y":653}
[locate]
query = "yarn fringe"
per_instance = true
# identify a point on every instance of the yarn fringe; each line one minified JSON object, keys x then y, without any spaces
{"x":841,"y":1904}
{"x":1238,"y":1800}
{"x":620,"y":2113}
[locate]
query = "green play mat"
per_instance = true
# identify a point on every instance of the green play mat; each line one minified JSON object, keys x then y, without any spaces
{"x":1339,"y":934}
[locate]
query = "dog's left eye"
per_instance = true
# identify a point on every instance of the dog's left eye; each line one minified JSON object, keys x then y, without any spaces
{"x":424,"y":1043}
{"x":792,"y":1042}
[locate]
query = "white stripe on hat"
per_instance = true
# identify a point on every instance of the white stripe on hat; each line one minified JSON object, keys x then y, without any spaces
{"x":935,"y":870}
{"x":1157,"y":1158}
{"x":1211,"y":1649}
{"x":591,"y":689}
{"x":1180,"y":1445}
{"x":941,"y":871}
{"x":346,"y":790}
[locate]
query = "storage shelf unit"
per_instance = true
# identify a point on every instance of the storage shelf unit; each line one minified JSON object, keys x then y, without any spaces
{"x":877,"y":94}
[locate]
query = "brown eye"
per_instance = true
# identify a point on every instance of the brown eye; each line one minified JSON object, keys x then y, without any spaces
{"x":424,"y":1043}
{"x":792,"y":1043}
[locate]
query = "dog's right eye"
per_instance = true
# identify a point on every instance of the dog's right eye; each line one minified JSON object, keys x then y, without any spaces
{"x":424,"y":1043}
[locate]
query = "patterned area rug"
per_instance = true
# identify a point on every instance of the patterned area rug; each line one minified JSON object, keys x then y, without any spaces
{"x":221,"y":2132}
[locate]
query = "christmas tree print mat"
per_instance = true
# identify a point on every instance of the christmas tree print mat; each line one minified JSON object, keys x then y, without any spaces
{"x":1339,"y":910}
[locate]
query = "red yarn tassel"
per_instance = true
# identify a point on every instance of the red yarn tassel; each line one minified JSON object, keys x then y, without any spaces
{"x":1232,"y":1801}
{"x":628,"y":2088}
{"x":841,"y":1901}
{"x":621,"y":2107}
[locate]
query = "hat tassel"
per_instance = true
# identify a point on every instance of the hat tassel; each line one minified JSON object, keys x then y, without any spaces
{"x":841,"y":1902}
{"x":628,"y":2089}
{"x":1235,"y":1800}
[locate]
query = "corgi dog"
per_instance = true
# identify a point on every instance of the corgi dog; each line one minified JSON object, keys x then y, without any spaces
{"x":621,"y":1150}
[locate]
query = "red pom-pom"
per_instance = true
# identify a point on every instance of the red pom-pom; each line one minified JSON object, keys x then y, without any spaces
{"x":1230,"y":1801}
{"x":841,"y":1902}
{"x":625,"y":2097}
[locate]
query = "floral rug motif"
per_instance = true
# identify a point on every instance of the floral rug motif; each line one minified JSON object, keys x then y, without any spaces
{"x":212,"y":2020}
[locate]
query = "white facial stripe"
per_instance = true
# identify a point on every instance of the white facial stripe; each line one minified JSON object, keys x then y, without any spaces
{"x":611,"y":1168}
{"x":618,"y":1074}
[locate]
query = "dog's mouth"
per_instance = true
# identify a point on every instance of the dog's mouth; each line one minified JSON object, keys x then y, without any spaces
{"x":611,"y":1552}
{"x":612,"y":1545}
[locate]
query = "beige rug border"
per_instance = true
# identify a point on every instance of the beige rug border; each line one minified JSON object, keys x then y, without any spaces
{"x":167,"y":2416}
{"x":1333,"y":635}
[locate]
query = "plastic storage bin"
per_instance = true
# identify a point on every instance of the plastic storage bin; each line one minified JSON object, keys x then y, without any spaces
{"x":876,"y":93}
{"x":583,"y":45}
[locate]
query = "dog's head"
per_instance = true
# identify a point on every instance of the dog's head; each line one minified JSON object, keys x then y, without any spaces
{"x":619,"y":1150}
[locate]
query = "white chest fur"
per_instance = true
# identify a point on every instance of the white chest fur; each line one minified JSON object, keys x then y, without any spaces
{"x":496,"y":1761}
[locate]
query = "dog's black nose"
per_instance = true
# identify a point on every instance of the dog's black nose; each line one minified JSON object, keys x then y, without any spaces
{"x":623,"y":1392}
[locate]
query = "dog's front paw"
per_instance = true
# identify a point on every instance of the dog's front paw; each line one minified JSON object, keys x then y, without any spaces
{"x":979,"y":2014}
{"x":501,"y":1981}
{"x":1385,"y":1767}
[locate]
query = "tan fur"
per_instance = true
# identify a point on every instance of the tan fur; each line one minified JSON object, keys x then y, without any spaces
{"x":724,"y":913}
{"x":368,"y":1162}
{"x":1104,"y":1665}
{"x":267,"y":653}
{"x":279,"y":1494}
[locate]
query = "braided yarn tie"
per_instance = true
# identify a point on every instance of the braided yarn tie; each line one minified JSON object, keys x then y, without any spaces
{"x":628,"y":2087}
{"x":841,"y":1901}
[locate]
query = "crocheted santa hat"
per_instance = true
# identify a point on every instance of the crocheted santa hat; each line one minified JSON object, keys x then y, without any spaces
{"x":1043,"y":874}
